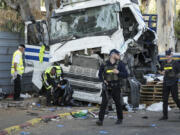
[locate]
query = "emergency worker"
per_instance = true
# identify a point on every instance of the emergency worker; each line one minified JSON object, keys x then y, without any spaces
{"x":49,"y":83}
{"x":17,"y":70}
{"x":170,"y":70}
{"x":110,"y":73}
{"x":59,"y":78}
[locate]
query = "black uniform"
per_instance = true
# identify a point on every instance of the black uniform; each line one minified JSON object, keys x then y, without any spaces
{"x":113,"y":87}
{"x":170,"y":84}
{"x":52,"y":82}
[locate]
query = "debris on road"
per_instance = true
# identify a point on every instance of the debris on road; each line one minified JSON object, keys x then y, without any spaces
{"x":153,"y":78}
{"x":153,"y":125}
{"x":56,"y":120}
{"x":103,"y":132}
{"x":157,"y":107}
{"x":80,"y":114}
{"x":94,"y":114}
{"x":33,"y":103}
{"x":112,"y":117}
{"x":69,"y":117}
{"x":60,"y":126}
{"x":52,"y":109}
{"x":145,"y":117}
{"x":32,"y":113}
{"x":38,"y":105}
{"x":142,"y":107}
{"x":25,"y":96}
{"x":24,"y":133}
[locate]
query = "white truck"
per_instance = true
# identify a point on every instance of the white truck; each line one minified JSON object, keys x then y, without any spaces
{"x":80,"y":35}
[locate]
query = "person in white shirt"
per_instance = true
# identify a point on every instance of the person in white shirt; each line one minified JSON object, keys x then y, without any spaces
{"x":17,"y":69}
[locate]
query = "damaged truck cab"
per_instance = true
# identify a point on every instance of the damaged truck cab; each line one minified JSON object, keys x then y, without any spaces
{"x":80,"y":35}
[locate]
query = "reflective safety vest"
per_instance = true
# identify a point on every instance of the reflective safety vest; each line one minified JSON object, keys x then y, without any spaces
{"x":44,"y":78}
{"x":20,"y":67}
{"x":109,"y":75}
{"x":41,"y":53}
{"x":169,"y":70}
{"x":58,"y":71}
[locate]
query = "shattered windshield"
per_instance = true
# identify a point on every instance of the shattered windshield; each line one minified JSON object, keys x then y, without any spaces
{"x":87,"y":22}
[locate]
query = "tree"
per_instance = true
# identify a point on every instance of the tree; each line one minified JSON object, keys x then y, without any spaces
{"x":145,"y":5}
{"x":22,"y":6}
{"x":50,"y":5}
{"x":165,"y":27}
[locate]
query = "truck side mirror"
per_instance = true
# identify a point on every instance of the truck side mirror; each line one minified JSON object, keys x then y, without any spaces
{"x":36,"y":33}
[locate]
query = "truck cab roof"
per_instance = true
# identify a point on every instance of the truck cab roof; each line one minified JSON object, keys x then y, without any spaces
{"x":88,"y":4}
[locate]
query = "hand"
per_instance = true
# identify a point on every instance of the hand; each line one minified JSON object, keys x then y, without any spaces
{"x":116,"y":71}
{"x":15,"y":73}
{"x":14,"y":76}
{"x":105,"y":82}
{"x":59,"y":85}
{"x":162,"y":72}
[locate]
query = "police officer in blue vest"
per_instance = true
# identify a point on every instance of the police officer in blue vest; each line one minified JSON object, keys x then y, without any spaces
{"x":170,"y":70}
{"x":110,"y":73}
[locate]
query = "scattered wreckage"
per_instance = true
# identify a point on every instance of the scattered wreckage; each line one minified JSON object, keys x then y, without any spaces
{"x":80,"y":35}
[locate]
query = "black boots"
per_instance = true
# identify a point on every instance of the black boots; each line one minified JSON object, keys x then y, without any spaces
{"x":99,"y":123}
{"x":163,"y":118}
{"x":118,"y":122}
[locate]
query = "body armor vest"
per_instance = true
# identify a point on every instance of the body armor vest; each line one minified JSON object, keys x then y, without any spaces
{"x":108,"y":73}
{"x":169,"y":70}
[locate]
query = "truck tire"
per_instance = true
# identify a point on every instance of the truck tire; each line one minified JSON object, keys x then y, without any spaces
{"x":134,"y":92}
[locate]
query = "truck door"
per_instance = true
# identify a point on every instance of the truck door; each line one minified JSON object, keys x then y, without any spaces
{"x":37,"y":50}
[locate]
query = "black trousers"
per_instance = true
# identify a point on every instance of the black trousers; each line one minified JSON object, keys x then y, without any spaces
{"x":48,"y":97}
{"x":174,"y":92}
{"x":115,"y":93}
{"x":56,"y":95}
{"x":53,"y":96}
{"x":17,"y":87}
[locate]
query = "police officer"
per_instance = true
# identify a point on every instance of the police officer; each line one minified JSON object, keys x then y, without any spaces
{"x":17,"y":69}
{"x":49,"y":83}
{"x":170,"y":70}
{"x":110,"y":73}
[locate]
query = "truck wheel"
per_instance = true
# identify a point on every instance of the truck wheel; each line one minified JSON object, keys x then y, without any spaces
{"x":134,"y":92}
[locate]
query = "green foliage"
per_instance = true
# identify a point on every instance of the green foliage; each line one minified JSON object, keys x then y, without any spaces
{"x":10,"y":21}
{"x":10,"y":26}
{"x":177,"y":26}
{"x":3,"y":4}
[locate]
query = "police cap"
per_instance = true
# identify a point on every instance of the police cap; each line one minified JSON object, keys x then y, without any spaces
{"x":114,"y":51}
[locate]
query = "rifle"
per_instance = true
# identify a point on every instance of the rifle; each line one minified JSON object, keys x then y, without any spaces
{"x":104,"y":88}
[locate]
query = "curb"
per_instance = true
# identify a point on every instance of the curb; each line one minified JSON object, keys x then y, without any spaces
{"x":34,"y":121}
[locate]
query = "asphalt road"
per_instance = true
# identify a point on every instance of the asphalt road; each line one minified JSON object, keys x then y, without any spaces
{"x":12,"y":116}
{"x":133,"y":124}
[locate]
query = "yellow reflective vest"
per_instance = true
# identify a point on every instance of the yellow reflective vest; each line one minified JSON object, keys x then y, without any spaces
{"x":47,"y":71}
{"x":20,"y":67}
{"x":58,"y":71}
{"x":46,"y":84}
